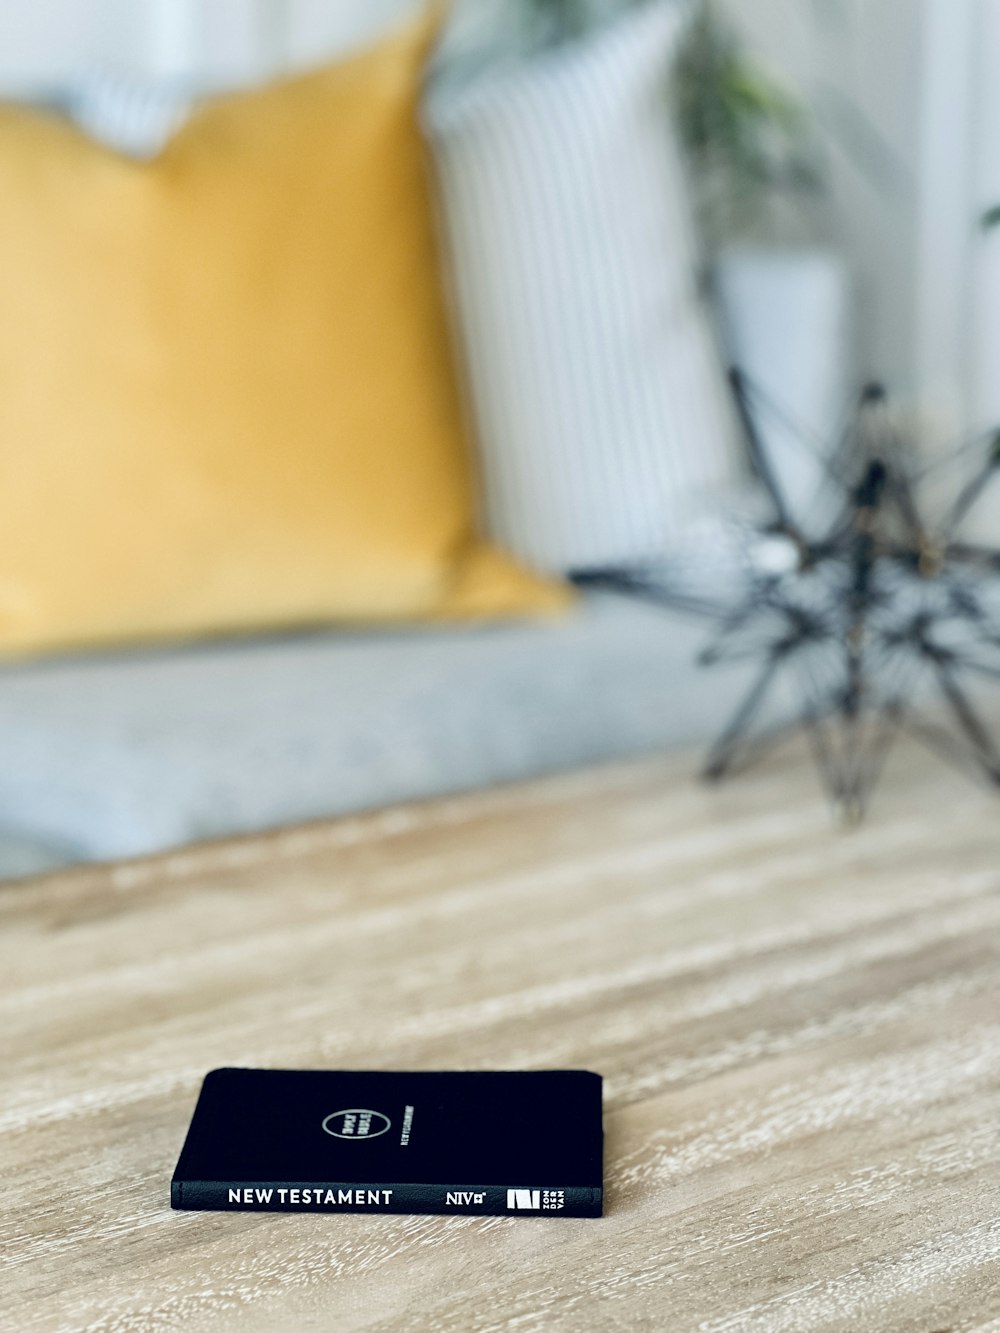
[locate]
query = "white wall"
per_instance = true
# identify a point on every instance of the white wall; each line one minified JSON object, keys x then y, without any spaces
{"x":858,"y":66}
{"x":43,"y":43}
{"x":984,"y":282}
{"x":924,"y":77}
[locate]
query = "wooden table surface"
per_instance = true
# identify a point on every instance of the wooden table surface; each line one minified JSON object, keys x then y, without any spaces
{"x":799,"y":1030}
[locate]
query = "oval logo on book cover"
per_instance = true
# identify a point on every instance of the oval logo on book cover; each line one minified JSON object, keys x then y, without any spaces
{"x":356,"y":1123}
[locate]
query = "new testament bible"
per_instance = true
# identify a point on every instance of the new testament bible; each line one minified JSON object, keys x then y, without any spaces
{"x":525,"y":1144}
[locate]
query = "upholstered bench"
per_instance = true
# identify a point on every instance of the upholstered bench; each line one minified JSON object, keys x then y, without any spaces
{"x":116,"y":755}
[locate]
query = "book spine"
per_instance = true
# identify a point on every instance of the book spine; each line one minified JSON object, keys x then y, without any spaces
{"x":309,"y":1197}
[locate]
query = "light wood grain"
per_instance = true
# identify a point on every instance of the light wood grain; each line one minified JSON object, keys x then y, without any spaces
{"x":799,"y":1029}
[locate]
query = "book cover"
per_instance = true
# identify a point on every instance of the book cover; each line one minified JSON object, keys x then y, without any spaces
{"x":492,"y":1143}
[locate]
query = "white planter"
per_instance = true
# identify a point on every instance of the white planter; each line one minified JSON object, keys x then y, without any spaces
{"x":786,"y":323}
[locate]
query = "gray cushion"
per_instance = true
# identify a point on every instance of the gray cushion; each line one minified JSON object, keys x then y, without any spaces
{"x":117,"y":755}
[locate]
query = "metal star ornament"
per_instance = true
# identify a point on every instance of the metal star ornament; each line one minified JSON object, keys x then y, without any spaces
{"x":879,"y":619}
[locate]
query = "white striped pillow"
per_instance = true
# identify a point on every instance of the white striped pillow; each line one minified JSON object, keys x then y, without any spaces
{"x":136,"y":116}
{"x":595,"y":380}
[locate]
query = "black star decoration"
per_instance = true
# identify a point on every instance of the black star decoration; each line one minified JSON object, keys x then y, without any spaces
{"x":880,"y":621}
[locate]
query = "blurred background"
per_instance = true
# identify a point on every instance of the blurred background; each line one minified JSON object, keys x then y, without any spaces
{"x":806,"y":184}
{"x":901,"y":95}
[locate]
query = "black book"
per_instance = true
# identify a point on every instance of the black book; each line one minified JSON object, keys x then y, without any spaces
{"x":271,"y":1140}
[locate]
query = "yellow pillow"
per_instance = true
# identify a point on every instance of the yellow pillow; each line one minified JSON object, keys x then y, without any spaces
{"x":227,"y":399}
